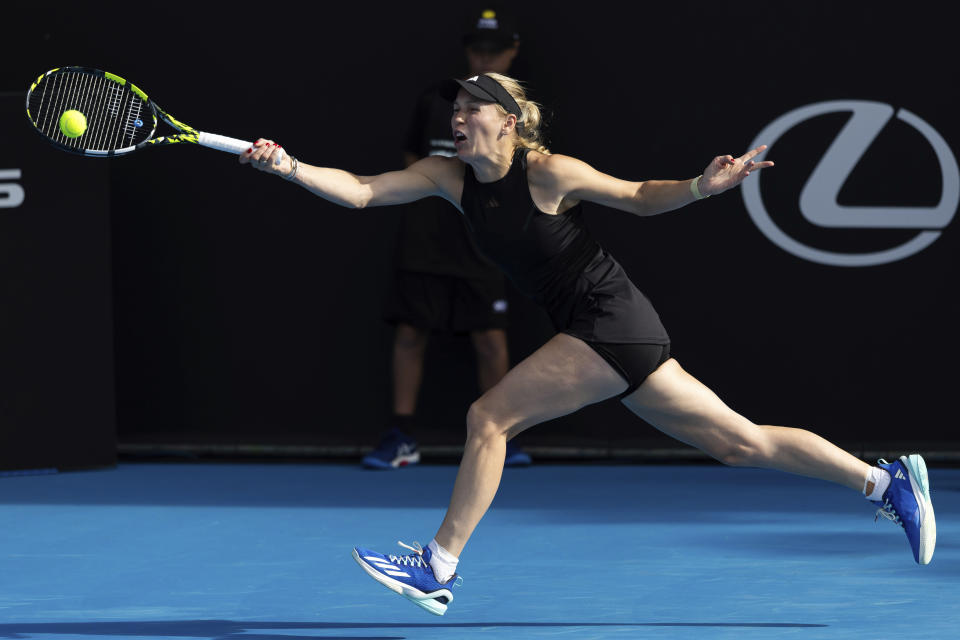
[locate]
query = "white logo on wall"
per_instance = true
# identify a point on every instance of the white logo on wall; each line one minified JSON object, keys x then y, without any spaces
{"x":11,"y":193}
{"x":818,"y":199}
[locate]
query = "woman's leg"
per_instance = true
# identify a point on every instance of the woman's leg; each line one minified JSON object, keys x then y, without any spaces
{"x":676,"y":403}
{"x":559,"y":378}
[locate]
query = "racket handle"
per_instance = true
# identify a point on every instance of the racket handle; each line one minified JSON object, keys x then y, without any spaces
{"x":223,"y":143}
{"x":230,"y":145}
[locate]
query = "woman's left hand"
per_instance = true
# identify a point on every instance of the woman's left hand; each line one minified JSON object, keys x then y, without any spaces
{"x":726,"y":172}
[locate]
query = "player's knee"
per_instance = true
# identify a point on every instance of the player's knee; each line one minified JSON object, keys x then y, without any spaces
{"x":734,"y":455}
{"x":482,"y":423}
{"x":747,"y":451}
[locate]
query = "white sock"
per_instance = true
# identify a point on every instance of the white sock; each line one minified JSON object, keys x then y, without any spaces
{"x":880,"y":479}
{"x":443,"y":563}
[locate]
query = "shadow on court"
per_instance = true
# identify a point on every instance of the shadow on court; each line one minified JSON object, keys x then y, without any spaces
{"x":230,"y":630}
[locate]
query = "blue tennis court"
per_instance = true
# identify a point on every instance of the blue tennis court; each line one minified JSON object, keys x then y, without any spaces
{"x":236,"y":551}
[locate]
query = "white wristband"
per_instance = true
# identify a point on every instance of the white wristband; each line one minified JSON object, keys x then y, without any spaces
{"x":695,"y":188}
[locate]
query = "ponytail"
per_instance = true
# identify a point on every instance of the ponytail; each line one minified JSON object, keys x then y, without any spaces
{"x":529,"y":134}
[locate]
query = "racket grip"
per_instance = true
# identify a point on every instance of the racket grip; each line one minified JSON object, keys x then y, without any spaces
{"x":223,"y":143}
{"x":230,"y":145}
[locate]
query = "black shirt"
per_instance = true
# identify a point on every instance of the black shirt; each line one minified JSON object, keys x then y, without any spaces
{"x":554,"y":260}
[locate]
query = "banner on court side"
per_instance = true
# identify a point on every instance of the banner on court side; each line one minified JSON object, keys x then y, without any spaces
{"x":56,"y":369}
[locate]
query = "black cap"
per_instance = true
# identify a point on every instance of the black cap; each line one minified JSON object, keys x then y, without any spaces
{"x":483,"y":87}
{"x":491,"y":28}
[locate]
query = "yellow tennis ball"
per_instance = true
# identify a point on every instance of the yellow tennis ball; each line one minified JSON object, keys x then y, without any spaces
{"x":73,"y":123}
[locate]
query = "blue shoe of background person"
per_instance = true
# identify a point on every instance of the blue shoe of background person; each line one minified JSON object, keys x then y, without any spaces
{"x":907,"y":503}
{"x":516,"y":457}
{"x":395,"y":450}
{"x":411,"y":576}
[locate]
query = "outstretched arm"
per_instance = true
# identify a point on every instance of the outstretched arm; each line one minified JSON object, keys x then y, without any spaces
{"x":420,"y":180}
{"x":572,"y":179}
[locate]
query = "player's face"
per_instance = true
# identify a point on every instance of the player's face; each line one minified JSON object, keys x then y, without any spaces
{"x":476,"y":126}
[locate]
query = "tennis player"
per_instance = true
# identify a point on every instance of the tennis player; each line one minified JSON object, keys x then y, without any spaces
{"x":523,"y":206}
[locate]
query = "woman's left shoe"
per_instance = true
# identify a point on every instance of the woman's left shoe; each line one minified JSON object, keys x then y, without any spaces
{"x":411,"y":576}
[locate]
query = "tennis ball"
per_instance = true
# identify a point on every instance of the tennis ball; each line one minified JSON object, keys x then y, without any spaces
{"x":73,"y":123}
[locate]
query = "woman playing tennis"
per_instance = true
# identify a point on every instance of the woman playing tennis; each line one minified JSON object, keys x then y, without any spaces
{"x":523,"y":207}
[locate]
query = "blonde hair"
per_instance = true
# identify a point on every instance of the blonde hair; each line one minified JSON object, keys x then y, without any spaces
{"x":528,"y":130}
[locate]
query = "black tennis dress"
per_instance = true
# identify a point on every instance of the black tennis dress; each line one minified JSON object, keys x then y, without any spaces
{"x":555,"y":261}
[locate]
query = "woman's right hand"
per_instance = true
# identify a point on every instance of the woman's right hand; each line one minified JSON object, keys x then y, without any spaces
{"x":263,"y":156}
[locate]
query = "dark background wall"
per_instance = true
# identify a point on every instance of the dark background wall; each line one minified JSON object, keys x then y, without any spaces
{"x":57,"y":404}
{"x":246,"y":310}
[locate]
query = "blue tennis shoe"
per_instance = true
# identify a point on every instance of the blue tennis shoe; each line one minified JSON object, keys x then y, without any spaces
{"x":907,"y":503}
{"x":516,"y":457}
{"x":396,"y":449}
{"x":411,"y":576}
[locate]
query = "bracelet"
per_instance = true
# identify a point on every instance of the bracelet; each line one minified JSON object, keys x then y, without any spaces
{"x":293,"y":172}
{"x":695,"y":188}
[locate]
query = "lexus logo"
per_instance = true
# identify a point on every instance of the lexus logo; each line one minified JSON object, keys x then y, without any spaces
{"x":818,"y":198}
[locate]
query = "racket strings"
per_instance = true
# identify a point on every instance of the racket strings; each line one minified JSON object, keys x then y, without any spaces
{"x":59,"y":91}
{"x":114,"y":113}
{"x":98,"y":96}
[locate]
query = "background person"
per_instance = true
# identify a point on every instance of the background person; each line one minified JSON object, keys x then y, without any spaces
{"x":442,"y":282}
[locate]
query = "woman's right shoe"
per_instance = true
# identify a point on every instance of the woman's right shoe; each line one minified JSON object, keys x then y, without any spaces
{"x":907,"y":503}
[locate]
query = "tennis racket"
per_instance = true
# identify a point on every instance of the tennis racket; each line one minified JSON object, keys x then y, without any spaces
{"x":120,"y":118}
